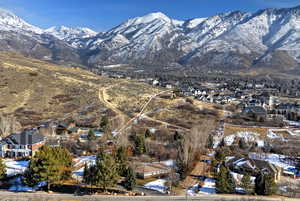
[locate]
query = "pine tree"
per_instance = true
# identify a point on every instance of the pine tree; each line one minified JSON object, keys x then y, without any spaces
{"x":225,"y":182}
{"x":139,"y":141}
{"x":242,"y":144}
{"x":2,"y":169}
{"x":221,"y":180}
{"x":130,"y":180}
{"x":50,"y":164}
{"x":230,"y":182}
{"x":220,"y":155}
{"x":147,"y":133}
{"x":246,"y":183}
{"x":86,"y":175}
{"x":265,"y":184}
{"x":91,"y":135}
{"x":106,"y":173}
{"x":122,"y":160}
{"x":270,"y":187}
{"x":104,"y":123}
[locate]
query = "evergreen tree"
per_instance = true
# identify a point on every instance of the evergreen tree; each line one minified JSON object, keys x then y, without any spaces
{"x":259,"y":184}
{"x":2,"y":169}
{"x":265,"y":184}
{"x":221,"y":155}
{"x":210,"y":142}
{"x":139,"y":141}
{"x":130,"y":180}
{"x":50,"y":164}
{"x":246,"y":183}
{"x":122,"y":160}
{"x":270,"y":187}
{"x":91,"y":135}
{"x":230,"y":182}
{"x":242,"y":144}
{"x":225,"y":182}
{"x":147,"y":133}
{"x":104,"y":123}
{"x":87,"y":179}
{"x":177,"y":136}
{"x":106,"y":173}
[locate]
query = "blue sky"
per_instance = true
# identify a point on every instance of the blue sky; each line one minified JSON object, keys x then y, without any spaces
{"x":102,"y":15}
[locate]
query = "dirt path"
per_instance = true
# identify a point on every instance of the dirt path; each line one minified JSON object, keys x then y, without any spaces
{"x":104,"y":97}
{"x":142,"y":112}
{"x":123,"y":118}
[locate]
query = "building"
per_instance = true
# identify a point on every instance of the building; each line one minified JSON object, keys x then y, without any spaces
{"x":253,"y":167}
{"x":24,"y":144}
{"x":255,"y":112}
{"x":148,"y":170}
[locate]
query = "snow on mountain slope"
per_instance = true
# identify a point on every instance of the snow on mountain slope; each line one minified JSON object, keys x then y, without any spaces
{"x":10,"y":22}
{"x":234,"y":39}
{"x":68,"y":33}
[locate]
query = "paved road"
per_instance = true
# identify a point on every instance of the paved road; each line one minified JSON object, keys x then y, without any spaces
{"x":10,"y":196}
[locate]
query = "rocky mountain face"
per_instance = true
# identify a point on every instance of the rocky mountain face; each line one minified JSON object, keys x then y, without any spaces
{"x":238,"y":40}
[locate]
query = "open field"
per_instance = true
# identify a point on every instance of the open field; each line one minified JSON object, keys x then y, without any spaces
{"x":233,"y":129}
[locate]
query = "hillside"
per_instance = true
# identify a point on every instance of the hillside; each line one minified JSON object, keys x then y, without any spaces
{"x":36,"y":91}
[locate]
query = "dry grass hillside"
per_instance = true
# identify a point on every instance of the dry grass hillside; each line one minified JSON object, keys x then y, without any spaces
{"x":35,"y":91}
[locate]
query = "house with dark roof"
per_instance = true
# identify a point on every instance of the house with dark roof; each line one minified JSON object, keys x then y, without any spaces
{"x":255,"y":111}
{"x":253,"y":167}
{"x":24,"y":144}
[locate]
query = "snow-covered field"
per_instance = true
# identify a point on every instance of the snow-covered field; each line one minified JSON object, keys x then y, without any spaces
{"x":15,"y":167}
{"x":157,"y":185}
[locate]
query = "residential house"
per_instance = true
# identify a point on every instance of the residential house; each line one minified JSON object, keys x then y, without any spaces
{"x":24,"y":144}
{"x":255,"y":112}
{"x":148,"y":170}
{"x":254,"y":167}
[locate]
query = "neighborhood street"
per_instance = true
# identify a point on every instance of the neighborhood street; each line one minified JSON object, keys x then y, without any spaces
{"x":12,"y":196}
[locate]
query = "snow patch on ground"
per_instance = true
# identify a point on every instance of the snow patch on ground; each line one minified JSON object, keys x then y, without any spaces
{"x":246,"y":136}
{"x":209,"y":187}
{"x":80,"y":162}
{"x":15,"y":167}
{"x":18,"y":186}
{"x":169,"y":163}
{"x":275,"y":159}
{"x":157,"y":185}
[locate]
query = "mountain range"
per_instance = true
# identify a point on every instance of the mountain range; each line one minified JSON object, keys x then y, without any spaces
{"x":238,"y":40}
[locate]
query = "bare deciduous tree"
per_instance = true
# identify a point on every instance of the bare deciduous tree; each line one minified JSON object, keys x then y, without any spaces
{"x":8,"y":125}
{"x":195,"y":142}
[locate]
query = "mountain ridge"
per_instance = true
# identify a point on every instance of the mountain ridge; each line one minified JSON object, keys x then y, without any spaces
{"x":234,"y":39}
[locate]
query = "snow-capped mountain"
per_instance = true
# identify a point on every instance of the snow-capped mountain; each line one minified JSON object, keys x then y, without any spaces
{"x":18,"y":35}
{"x":67,"y":33}
{"x":233,"y":39}
{"x":269,"y":37}
{"x":10,"y":22}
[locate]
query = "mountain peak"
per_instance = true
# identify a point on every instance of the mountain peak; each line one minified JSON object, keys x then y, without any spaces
{"x":6,"y":13}
{"x":11,"y":22}
{"x":67,"y":33}
{"x":151,"y":17}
